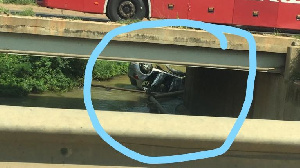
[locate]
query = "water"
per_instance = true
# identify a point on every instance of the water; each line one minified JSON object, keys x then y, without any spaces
{"x":103,"y":99}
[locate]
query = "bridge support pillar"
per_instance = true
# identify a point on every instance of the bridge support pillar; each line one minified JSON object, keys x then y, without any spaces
{"x":213,"y":92}
{"x":221,"y":93}
{"x":292,"y":66}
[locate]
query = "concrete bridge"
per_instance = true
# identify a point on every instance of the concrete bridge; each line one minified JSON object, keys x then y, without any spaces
{"x":276,"y":97}
{"x":56,"y":37}
{"x":215,"y":87}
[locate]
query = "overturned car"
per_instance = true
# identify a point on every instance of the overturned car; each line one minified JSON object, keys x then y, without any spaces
{"x":154,"y":79}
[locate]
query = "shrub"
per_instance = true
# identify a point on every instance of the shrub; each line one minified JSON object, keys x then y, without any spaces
{"x":104,"y":70}
{"x":21,"y":75}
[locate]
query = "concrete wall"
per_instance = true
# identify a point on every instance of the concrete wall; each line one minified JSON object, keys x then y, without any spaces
{"x":35,"y":136}
{"x":212,"y":92}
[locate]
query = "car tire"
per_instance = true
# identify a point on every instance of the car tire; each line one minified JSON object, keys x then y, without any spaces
{"x":125,"y":9}
{"x":145,"y":68}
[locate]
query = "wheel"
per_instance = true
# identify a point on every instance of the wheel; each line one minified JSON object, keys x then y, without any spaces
{"x":125,"y":9}
{"x":145,"y":68}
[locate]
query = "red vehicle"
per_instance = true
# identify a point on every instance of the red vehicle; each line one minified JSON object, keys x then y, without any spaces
{"x":262,"y":13}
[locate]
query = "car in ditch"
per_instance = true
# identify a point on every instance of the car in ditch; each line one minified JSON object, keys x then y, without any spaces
{"x":150,"y":78}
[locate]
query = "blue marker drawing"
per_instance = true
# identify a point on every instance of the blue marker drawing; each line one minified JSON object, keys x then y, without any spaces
{"x":216,"y":30}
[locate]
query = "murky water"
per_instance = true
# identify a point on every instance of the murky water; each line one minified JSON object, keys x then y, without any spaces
{"x":103,"y":99}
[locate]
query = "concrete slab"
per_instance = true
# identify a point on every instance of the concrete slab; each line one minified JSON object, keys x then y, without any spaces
{"x":174,"y":36}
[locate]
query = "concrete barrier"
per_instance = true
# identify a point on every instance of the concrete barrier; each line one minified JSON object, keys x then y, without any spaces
{"x":62,"y":136}
{"x":160,"y":45}
{"x":173,"y":36}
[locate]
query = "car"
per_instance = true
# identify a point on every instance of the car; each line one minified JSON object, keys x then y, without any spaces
{"x":151,"y":78}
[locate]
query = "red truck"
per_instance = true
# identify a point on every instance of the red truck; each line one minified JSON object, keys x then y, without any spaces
{"x":283,"y":14}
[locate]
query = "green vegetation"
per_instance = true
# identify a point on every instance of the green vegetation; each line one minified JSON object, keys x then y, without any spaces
{"x":104,"y":70}
{"x":21,"y":75}
{"x":26,"y":12}
{"x":4,"y":11}
{"x":129,"y":21}
{"x":276,"y":32}
{"x":20,"y":2}
{"x":297,"y":36}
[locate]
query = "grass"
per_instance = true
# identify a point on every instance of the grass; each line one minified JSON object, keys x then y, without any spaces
{"x":129,"y":21}
{"x":26,"y":12}
{"x":19,"y":2}
{"x":4,"y":11}
{"x":297,"y":36}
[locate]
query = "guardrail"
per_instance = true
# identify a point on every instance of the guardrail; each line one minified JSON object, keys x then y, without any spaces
{"x":63,"y":136}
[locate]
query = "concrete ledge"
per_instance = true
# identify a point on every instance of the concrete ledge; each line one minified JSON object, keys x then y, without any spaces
{"x":96,"y":30}
{"x":44,"y":137}
{"x":158,"y":130}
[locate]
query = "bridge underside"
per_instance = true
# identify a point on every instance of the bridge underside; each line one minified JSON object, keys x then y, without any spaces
{"x":144,"y":52}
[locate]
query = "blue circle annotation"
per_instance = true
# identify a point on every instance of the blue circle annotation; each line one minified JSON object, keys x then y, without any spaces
{"x":216,"y":30}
